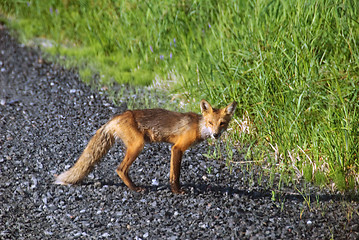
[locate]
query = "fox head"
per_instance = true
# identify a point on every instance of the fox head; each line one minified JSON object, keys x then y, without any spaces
{"x":215,"y":121}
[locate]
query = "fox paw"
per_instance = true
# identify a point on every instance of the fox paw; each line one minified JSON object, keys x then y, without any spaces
{"x":139,"y":189}
{"x":178,"y":190}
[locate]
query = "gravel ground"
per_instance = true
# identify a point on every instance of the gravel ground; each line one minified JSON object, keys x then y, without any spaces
{"x":47,"y":115}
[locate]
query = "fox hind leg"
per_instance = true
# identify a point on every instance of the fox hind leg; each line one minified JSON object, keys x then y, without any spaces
{"x":132,"y":152}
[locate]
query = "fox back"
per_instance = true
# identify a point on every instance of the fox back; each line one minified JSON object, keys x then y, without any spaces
{"x":160,"y":125}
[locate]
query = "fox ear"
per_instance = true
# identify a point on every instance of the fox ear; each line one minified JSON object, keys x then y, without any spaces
{"x":231,"y":108}
{"x":205,"y":106}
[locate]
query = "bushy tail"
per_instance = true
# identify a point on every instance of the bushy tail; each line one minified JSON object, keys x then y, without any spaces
{"x":98,"y":146}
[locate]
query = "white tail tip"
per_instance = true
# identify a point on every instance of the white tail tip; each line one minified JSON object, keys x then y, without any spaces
{"x":59,"y":181}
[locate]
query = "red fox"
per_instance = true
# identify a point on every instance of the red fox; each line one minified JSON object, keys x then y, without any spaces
{"x":137,"y":127}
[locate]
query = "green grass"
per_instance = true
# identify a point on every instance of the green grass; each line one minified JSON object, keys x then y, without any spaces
{"x":291,"y":65}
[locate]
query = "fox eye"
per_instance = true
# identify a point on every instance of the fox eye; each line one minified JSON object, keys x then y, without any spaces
{"x":210,"y":123}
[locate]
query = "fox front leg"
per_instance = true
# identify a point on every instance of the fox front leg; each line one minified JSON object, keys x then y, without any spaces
{"x":176,"y":158}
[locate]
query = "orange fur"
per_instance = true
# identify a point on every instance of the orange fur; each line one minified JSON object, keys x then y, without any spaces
{"x":137,"y":127}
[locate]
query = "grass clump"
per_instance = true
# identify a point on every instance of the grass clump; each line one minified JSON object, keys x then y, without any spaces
{"x":291,"y":65}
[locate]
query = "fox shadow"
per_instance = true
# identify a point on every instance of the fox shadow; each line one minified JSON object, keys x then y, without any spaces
{"x":266,"y":193}
{"x":225,"y":191}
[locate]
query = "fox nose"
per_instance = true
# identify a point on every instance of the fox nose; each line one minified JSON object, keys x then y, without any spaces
{"x":216,"y":135}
